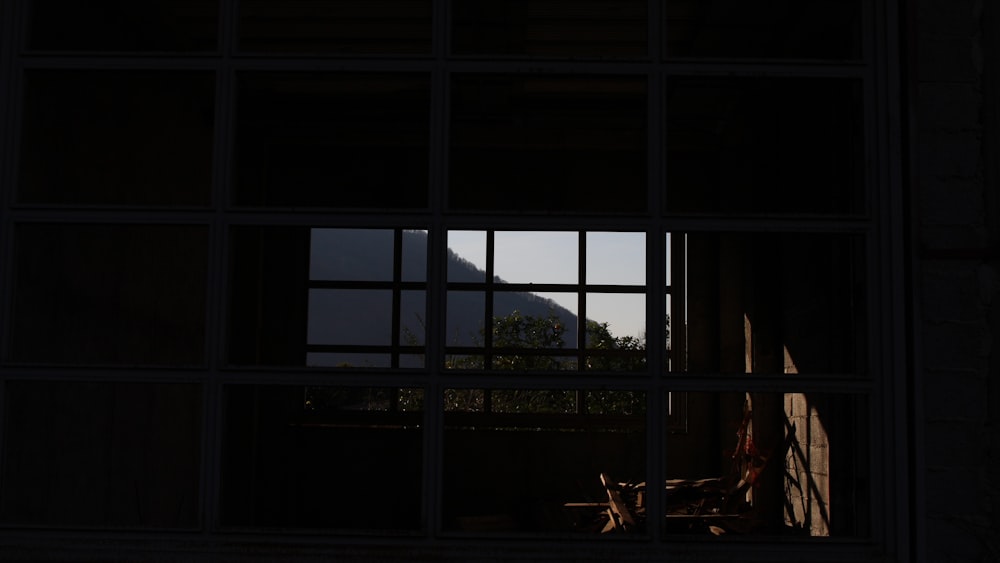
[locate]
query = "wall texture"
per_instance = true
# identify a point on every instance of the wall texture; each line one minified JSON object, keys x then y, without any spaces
{"x":957,"y":322}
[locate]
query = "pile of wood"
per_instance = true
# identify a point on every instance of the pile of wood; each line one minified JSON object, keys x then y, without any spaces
{"x":694,"y":506}
{"x":624,"y":511}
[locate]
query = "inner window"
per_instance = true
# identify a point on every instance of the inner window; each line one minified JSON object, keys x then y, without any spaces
{"x":516,"y":300}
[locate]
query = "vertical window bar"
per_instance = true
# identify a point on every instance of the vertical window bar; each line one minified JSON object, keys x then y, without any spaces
{"x":488,"y":327}
{"x":397,"y":296}
{"x":581,"y":315}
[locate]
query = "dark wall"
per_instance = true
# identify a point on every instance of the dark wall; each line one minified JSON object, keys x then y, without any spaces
{"x":955,"y":224}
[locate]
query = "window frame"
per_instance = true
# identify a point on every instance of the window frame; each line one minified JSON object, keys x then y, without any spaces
{"x":881,"y":224}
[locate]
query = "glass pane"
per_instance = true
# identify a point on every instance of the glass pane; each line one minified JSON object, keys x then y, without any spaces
{"x":465,"y":400}
{"x":620,"y":315}
{"x":335,"y":26}
{"x":610,"y":402}
{"x":536,"y":257}
{"x":538,"y":401}
{"x":537,"y":326}
{"x":101,"y":454}
{"x":764,"y":145}
{"x":109,"y":294}
{"x":616,"y":258}
{"x":549,"y":28}
{"x":618,"y":334}
{"x":818,"y":29}
{"x":669,"y":332}
{"x":350,"y":316}
{"x":117,"y":137}
{"x":347,"y":140}
{"x":322,"y":457}
{"x":790,"y":464}
{"x":668,"y":258}
{"x":351,"y":254}
{"x":123,"y":25}
{"x":467,"y":256}
{"x":412,"y":315}
{"x":555,"y":483}
{"x":466,"y":319}
{"x":548,"y":143}
{"x":772,"y":303}
{"x":414,"y":256}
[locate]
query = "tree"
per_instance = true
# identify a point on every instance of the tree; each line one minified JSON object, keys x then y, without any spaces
{"x":529,"y":343}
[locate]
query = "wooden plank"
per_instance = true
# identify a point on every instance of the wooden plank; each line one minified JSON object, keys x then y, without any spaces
{"x":618,"y":509}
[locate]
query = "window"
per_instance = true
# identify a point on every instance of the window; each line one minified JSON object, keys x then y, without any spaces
{"x":440,"y":272}
{"x":124,"y":138}
{"x":102,"y":454}
{"x":120,"y":294}
{"x":518,"y":307}
{"x":341,"y":140}
{"x":547,"y":143}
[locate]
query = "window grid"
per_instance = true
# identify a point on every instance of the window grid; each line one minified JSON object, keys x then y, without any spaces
{"x":439,"y":220}
{"x":396,"y":286}
{"x":579,"y":346}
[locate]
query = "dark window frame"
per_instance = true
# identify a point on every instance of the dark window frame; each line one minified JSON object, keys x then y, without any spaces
{"x":880,"y":224}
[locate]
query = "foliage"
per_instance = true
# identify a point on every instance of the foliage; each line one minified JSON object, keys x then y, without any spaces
{"x":538,"y":342}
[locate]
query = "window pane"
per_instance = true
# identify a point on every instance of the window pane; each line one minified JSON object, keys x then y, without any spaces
{"x":548,"y":143}
{"x":764,"y":145}
{"x":347,"y":140}
{"x":616,"y":331}
{"x":101,"y":454}
{"x":351,"y":254}
{"x":117,"y":137}
{"x":123,"y":25}
{"x":322,"y":457}
{"x":534,"y":324}
{"x":335,"y":26}
{"x":791,"y":464}
{"x":414,"y":256}
{"x":553,"y":483}
{"x":466,"y":318}
{"x":467,"y":256}
{"x":549,"y":28}
{"x":616,"y":258}
{"x":530,"y":330}
{"x":818,"y":29}
{"x":350,"y":316}
{"x":412,"y":317}
{"x":325,"y":297}
{"x":109,"y":294}
{"x":771,"y":303}
{"x":536,"y":257}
